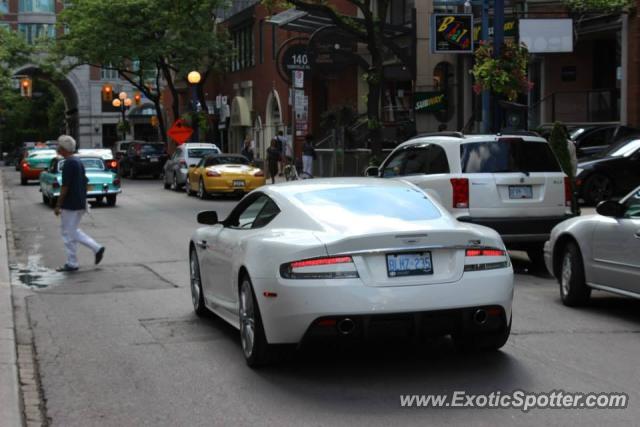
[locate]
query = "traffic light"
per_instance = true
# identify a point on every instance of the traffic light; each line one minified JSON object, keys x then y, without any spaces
{"x":137,"y":98}
{"x":107,"y":93}
{"x":26,"y":87}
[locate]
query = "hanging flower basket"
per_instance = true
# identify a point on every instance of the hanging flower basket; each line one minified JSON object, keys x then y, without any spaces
{"x":505,"y":75}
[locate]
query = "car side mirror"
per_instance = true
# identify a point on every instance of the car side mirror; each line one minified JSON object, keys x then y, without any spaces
{"x":371,"y":171}
{"x":610,"y":208}
{"x":208,"y":217}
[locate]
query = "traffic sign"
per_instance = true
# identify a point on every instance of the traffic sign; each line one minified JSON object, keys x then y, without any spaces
{"x":180,"y":132}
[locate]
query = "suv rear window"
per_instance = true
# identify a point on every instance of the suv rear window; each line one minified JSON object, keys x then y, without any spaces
{"x":151,"y":149}
{"x":507,"y":155}
{"x":198,"y":153}
{"x":420,"y":159}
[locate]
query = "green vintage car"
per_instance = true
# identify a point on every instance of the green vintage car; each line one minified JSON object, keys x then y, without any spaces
{"x":103,"y":184}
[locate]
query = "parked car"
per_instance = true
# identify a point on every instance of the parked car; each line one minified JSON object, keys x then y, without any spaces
{"x":120,"y":148}
{"x":104,"y":153}
{"x":598,"y":251}
{"x":177,"y":167}
{"x":223,"y":173}
{"x":34,"y":163}
{"x":103,"y":183}
{"x":339,"y":257}
{"x":591,"y":140}
{"x":143,"y":158}
{"x":27,"y":147}
{"x":612,"y":173}
{"x":511,"y":183}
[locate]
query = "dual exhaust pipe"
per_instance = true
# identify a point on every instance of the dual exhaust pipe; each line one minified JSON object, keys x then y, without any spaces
{"x":347,"y":326}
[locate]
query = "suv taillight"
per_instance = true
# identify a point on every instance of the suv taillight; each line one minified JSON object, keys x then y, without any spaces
{"x":460,"y":193}
{"x":567,"y":191}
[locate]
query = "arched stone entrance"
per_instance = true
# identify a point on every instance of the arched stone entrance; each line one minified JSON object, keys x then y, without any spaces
{"x":70,"y":88}
{"x":240,"y":123}
{"x":273,"y":122}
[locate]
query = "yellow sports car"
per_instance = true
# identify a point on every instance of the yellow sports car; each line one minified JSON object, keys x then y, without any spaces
{"x":223,"y":173}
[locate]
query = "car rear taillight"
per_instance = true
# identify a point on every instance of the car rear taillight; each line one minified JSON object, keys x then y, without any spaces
{"x":259,"y":173}
{"x":116,"y":182}
{"x":25,"y":165}
{"x":112,"y":164}
{"x":213,"y":173}
{"x":460,"y":193}
{"x":55,"y":184}
{"x":567,"y":191}
{"x":183,"y":163}
{"x":481,"y":259}
{"x":341,"y":267}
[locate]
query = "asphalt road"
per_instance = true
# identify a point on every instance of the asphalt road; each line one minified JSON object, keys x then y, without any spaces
{"x":119,"y":345}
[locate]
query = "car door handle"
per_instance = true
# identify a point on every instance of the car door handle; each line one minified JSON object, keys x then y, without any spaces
{"x":202,"y":244}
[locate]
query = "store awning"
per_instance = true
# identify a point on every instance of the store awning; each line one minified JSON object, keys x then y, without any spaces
{"x":240,"y":113}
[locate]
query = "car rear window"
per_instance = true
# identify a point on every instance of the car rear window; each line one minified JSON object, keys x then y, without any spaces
{"x":226,"y":160}
{"x":88,"y":163}
{"x":198,"y":153}
{"x":507,"y":155}
{"x":349,"y":205}
{"x":152,"y":149}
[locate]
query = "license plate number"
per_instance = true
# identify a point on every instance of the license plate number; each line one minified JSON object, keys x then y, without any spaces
{"x":520,"y":192}
{"x":154,"y":160}
{"x":409,"y":264}
{"x":238,"y":183}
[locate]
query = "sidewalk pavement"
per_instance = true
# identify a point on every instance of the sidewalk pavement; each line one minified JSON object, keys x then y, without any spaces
{"x":10,"y":407}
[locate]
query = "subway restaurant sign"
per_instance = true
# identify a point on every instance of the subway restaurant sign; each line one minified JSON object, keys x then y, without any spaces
{"x":429,"y":102}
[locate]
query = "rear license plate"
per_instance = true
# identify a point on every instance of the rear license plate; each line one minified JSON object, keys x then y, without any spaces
{"x":154,"y":160}
{"x":520,"y":192}
{"x":409,"y":264}
{"x":238,"y":183}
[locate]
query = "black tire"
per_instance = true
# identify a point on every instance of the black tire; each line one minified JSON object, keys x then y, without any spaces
{"x":535,"y":252}
{"x":133,"y":174}
{"x":99,"y":199}
{"x":574,"y":291}
{"x":597,"y":188}
{"x":53,"y":201}
{"x":23,"y":180}
{"x":197,"y":296}
{"x":202,"y":192}
{"x":167,"y":185}
{"x":156,"y":176}
{"x":483,"y":342}
{"x":111,"y":199}
{"x":257,"y":351}
{"x":174,"y":183}
{"x":45,"y":199}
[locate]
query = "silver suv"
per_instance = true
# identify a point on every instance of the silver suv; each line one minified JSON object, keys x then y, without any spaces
{"x":511,"y":183}
{"x":177,"y":167}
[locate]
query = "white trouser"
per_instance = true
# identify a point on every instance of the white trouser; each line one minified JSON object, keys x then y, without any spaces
{"x":72,"y":235}
{"x":307,"y":164}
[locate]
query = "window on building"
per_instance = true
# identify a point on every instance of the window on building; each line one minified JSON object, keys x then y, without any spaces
{"x":400,"y":12}
{"x":243,"y":48}
{"x":33,"y":32}
{"x":38,"y":6}
{"x":107,"y":73}
{"x":4,"y":6}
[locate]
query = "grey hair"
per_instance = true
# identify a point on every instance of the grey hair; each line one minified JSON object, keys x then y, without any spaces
{"x":67,"y":143}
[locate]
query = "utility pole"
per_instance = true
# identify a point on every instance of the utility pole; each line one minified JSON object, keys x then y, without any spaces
{"x":486,"y":95}
{"x":498,"y":40}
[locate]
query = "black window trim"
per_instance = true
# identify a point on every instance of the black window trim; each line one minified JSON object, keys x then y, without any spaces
{"x":234,"y":216}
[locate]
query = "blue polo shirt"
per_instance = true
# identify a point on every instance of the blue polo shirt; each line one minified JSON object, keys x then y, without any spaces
{"x":74,"y":178}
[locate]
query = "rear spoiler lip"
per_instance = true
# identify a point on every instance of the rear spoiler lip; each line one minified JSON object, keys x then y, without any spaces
{"x":404,"y":249}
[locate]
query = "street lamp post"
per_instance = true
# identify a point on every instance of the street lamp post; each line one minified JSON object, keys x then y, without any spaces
{"x":194,"y":78}
{"x":123,"y":102}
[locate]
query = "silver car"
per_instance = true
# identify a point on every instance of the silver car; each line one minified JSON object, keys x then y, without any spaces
{"x":177,"y":167}
{"x":598,"y":251}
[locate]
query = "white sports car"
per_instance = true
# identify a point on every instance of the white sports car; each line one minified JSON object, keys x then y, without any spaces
{"x":349,"y":257}
{"x":597,"y":251}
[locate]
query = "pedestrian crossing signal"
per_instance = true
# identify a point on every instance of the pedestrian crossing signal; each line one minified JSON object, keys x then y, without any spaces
{"x":137,"y":97}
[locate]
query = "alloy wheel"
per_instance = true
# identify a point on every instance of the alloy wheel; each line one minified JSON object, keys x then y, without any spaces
{"x":196,"y":287}
{"x":174,"y":183}
{"x":247,"y":318}
{"x":566,"y":273}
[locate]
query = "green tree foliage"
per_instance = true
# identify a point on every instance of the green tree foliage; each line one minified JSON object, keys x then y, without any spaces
{"x":583,"y":6}
{"x":151,"y":43}
{"x":13,"y":52}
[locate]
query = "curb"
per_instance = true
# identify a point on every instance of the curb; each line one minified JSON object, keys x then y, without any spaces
{"x":10,"y":405}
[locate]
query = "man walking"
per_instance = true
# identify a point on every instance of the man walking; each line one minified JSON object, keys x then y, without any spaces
{"x":72,"y":204}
